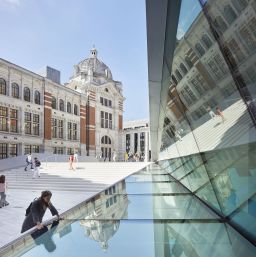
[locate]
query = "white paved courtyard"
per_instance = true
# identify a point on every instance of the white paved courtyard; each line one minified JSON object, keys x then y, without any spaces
{"x":68,"y":187}
{"x":236,"y":130}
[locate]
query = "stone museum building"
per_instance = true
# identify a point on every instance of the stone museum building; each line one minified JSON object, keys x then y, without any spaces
{"x":39,"y":114}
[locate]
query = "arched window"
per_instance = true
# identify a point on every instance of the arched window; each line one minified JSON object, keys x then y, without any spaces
{"x":220,"y":24}
{"x":54,"y":103}
{"x":177,"y":73}
{"x":239,"y":4}
{"x":188,"y":62}
{"x":26,"y":94}
{"x":183,"y":68}
{"x":2,"y":86}
{"x":15,"y":90}
{"x":69,"y":107}
{"x":207,"y":41}
{"x":229,"y":14}
{"x":106,"y":140}
{"x":75,"y":109}
{"x":174,"y":80}
{"x":200,"y":50}
{"x":37,"y":97}
{"x":61,"y":105}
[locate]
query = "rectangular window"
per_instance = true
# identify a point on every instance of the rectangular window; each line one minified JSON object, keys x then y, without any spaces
{"x":110,"y":121}
{"x":102,"y":119}
{"x":58,"y":150}
{"x":54,"y":128}
{"x":60,"y":128}
{"x":221,"y":64}
{"x":135,"y":142}
{"x":214,"y":69}
{"x":14,"y":120}
{"x":105,"y":102}
{"x":74,"y":131}
{"x":236,"y":50}
{"x":3,"y":118}
{"x":31,"y":149}
{"x":187,"y":99}
{"x":128,"y":137}
{"x":3,"y":151}
{"x":70,"y":151}
{"x":142,"y":142}
{"x":36,"y":124}
{"x":69,"y":130}
{"x":35,"y":148}
{"x":13,"y":150}
{"x":252,"y":25}
{"x":190,"y":93}
{"x":248,"y":38}
{"x":27,"y":149}
{"x":106,"y":120}
{"x":28,"y":123}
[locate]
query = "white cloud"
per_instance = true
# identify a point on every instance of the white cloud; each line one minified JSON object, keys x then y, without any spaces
{"x":13,"y":2}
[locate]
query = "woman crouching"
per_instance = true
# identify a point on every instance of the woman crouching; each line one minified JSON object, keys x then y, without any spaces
{"x":37,"y":211}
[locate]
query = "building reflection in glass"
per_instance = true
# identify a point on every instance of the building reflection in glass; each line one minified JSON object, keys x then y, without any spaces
{"x":103,"y":218}
{"x":211,"y":102}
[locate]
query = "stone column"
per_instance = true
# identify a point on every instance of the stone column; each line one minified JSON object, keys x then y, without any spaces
{"x":146,"y":146}
{"x":138,"y":146}
{"x":132,"y":142}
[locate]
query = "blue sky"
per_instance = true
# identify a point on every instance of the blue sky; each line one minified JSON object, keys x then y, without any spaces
{"x":188,"y":12}
{"x":60,"y":33}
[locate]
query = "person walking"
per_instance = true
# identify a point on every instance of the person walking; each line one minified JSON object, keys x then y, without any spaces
{"x":126,"y":157}
{"x":76,"y":157}
{"x":37,"y":210}
{"x":29,"y":162}
{"x":71,"y":161}
{"x":3,"y":187}
{"x":37,"y":164}
{"x":114,"y":156}
{"x":211,"y":113}
{"x":220,"y":113}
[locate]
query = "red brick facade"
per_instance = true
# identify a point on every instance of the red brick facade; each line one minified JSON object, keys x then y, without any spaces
{"x":47,"y":116}
{"x":82,"y":124}
{"x":120,"y":122}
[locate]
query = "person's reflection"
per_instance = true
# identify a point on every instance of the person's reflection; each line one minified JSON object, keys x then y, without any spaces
{"x":44,"y":236}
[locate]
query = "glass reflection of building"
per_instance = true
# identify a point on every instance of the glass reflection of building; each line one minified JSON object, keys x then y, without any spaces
{"x":202,"y":72}
{"x":213,"y":65}
{"x":104,"y":214}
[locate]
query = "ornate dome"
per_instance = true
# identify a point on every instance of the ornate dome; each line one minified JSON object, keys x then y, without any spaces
{"x":93,"y":66}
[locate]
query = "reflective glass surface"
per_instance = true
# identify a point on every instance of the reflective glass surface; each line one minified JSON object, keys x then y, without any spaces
{"x":141,"y":217}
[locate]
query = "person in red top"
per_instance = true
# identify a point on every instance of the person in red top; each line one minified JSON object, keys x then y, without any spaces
{"x":71,"y":161}
{"x":220,"y":113}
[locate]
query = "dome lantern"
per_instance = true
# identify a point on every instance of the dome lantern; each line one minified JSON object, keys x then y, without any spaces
{"x":93,"y":52}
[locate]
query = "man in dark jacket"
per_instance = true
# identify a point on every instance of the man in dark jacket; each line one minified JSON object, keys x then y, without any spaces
{"x":37,"y":211}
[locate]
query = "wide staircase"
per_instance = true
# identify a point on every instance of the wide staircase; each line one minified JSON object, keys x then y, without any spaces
{"x":87,"y":177}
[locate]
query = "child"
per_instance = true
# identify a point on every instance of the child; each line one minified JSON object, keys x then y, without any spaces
{"x":36,"y":169}
{"x":3,"y":187}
